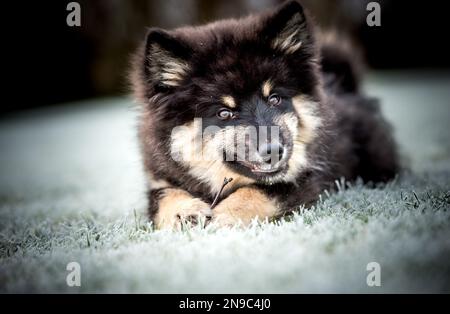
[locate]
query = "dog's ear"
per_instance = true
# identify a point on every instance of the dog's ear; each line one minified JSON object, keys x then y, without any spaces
{"x":287,"y":29}
{"x":166,"y":59}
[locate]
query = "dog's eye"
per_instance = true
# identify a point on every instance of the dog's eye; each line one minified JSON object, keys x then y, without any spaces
{"x":224,"y":114}
{"x":274,"y":100}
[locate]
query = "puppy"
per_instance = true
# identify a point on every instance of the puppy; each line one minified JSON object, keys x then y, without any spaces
{"x":261,"y":100}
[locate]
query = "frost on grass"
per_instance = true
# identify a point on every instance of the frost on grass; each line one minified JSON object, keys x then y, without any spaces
{"x":85,"y":202}
{"x":404,"y":226}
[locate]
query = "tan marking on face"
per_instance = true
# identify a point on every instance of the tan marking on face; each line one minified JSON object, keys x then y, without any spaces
{"x":267,"y":88}
{"x":303,"y":129}
{"x":298,"y":159}
{"x":229,"y":101}
{"x":244,"y":205}
{"x":310,"y":120}
{"x":203,"y":156}
{"x":176,"y":205}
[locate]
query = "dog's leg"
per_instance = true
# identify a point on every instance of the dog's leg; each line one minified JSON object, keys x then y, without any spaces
{"x":170,"y":206}
{"x":242,"y":206}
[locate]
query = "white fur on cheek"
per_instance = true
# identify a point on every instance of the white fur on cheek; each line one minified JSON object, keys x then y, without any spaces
{"x":204,"y":156}
{"x":303,"y":131}
{"x":309,"y":118}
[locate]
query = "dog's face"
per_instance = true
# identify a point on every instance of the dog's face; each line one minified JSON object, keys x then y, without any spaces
{"x":239,"y":98}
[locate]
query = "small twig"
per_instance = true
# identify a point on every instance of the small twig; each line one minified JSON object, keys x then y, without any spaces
{"x":415,"y":195}
{"x":216,"y":199}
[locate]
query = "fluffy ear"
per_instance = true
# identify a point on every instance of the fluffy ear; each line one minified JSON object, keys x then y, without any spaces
{"x":287,"y":28}
{"x":166,"y":59}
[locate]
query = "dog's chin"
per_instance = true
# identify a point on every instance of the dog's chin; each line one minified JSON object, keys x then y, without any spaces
{"x":265,"y":174}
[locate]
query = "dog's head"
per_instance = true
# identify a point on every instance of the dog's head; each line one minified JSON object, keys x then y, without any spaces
{"x":238,"y":98}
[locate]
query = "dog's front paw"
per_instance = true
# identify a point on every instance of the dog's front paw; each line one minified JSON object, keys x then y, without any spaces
{"x":195,"y":216}
{"x":244,"y":206}
{"x":225,"y":219}
{"x":182,"y":213}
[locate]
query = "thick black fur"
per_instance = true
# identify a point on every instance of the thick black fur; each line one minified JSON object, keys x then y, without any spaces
{"x":233,"y":57}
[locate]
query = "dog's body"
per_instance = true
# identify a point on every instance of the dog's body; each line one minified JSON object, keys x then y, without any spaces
{"x":264,"y":70}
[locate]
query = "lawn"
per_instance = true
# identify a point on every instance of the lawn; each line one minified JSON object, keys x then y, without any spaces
{"x":72,"y":189}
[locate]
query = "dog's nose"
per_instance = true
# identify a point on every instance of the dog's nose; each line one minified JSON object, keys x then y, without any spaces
{"x":271,"y":153}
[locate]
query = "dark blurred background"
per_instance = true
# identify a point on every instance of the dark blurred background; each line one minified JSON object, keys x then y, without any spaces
{"x":48,"y":62}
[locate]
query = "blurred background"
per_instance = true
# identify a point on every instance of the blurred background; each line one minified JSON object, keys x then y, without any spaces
{"x":72,"y":187}
{"x":50,"y":62}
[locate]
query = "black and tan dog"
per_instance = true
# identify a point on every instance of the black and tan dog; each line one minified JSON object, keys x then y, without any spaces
{"x":269,"y":70}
